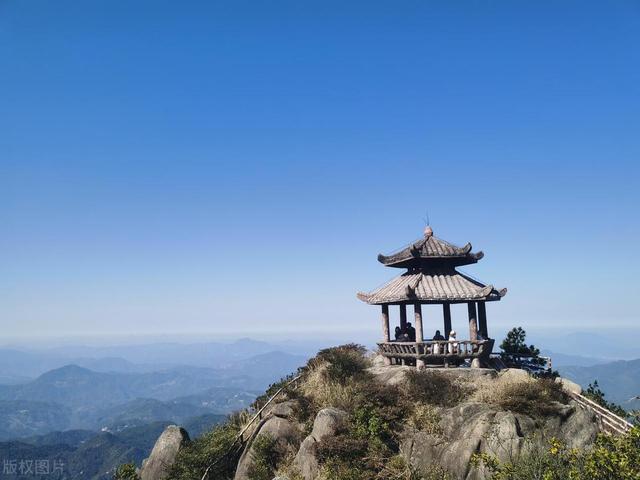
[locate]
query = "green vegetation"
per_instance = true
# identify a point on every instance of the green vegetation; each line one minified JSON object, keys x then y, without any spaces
{"x":611,"y":458}
{"x":265,"y":458}
{"x":517,"y":354}
{"x":594,"y":393}
{"x":514,"y":344}
{"x":368,"y":445}
{"x":126,"y":471}
{"x":426,"y":419}
{"x":342,"y":363}
{"x":434,"y":388}
{"x":215,"y":449}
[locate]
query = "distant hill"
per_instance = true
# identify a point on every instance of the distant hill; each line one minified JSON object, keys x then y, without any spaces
{"x":74,"y":397}
{"x":142,"y":411}
{"x":79,"y":387}
{"x":561,"y":359}
{"x":619,"y":380}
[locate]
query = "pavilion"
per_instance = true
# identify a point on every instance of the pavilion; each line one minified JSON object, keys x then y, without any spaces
{"x":432,"y":278}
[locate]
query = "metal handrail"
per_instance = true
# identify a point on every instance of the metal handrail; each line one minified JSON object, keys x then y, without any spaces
{"x":607,"y":417}
{"x":239,"y":436}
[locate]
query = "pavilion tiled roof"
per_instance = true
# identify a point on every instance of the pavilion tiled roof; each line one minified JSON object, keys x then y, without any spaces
{"x":430,"y":248}
{"x":445,"y":285}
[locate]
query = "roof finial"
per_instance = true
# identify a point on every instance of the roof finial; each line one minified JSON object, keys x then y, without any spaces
{"x":428,"y":231}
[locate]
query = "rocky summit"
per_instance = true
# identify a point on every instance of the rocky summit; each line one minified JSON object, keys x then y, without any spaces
{"x":350,"y":416}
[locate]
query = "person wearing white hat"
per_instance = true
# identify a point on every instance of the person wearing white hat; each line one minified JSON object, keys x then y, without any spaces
{"x":453,"y":344}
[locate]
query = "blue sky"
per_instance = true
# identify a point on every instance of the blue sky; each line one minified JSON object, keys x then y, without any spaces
{"x":236,"y":166}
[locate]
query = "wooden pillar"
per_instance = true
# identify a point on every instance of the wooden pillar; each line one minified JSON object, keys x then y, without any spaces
{"x":385,"y":323}
{"x":403,"y":318}
{"x":419,"y":332}
{"x":473,"y":321}
{"x":482,"y":319}
{"x":446,"y":311}
{"x":385,"y":329}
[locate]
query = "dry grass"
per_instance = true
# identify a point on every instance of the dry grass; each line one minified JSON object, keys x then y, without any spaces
{"x":435,"y":388}
{"x":325,"y":392}
{"x":288,"y":469}
{"x":492,"y":390}
{"x":526,"y":395}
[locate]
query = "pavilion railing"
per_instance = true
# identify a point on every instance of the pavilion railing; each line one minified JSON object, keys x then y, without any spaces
{"x":437,"y":349}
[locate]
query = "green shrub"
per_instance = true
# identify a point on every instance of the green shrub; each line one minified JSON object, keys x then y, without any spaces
{"x":216,"y":445}
{"x":594,"y":393}
{"x":126,"y":472}
{"x":425,"y":418}
{"x":343,"y":447}
{"x":343,"y":362}
{"x":377,"y":415}
{"x":611,"y":458}
{"x":264,"y":458}
{"x":336,"y":469}
{"x":369,"y":423}
{"x":434,"y":388}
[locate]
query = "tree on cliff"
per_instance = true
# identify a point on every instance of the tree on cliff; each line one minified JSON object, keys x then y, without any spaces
{"x":514,"y":344}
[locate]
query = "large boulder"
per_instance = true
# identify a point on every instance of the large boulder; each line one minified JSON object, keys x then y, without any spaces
{"x":515,"y":375}
{"x":479,"y":428}
{"x":285,"y":432}
{"x":327,"y":423}
{"x":164,"y":453}
{"x":283,"y":409}
{"x":569,"y":386}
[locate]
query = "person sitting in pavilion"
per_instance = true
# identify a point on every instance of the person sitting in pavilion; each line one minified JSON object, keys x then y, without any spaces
{"x":453,"y":344}
{"x":436,"y":346}
{"x":411,"y":332}
{"x":401,"y":335}
{"x":398,"y":334}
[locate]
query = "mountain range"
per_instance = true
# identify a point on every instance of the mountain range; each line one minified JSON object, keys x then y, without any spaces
{"x":73,"y":397}
{"x":93,"y":408}
{"x":97,"y":412}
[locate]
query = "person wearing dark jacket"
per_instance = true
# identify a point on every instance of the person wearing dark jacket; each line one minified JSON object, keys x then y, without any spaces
{"x":411,"y":332}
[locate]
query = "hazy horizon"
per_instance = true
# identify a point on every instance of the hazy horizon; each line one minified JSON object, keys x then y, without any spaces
{"x":598,"y":342}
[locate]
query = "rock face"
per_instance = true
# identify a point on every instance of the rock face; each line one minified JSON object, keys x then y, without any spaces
{"x":396,"y":374}
{"x":164,"y":453}
{"x":279,"y":426}
{"x":475,"y":427}
{"x":327,"y":423}
{"x":569,"y":386}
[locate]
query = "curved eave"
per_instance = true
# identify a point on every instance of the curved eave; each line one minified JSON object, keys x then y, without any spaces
{"x":364,"y":297}
{"x":425,"y":261}
{"x":438,"y":289}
